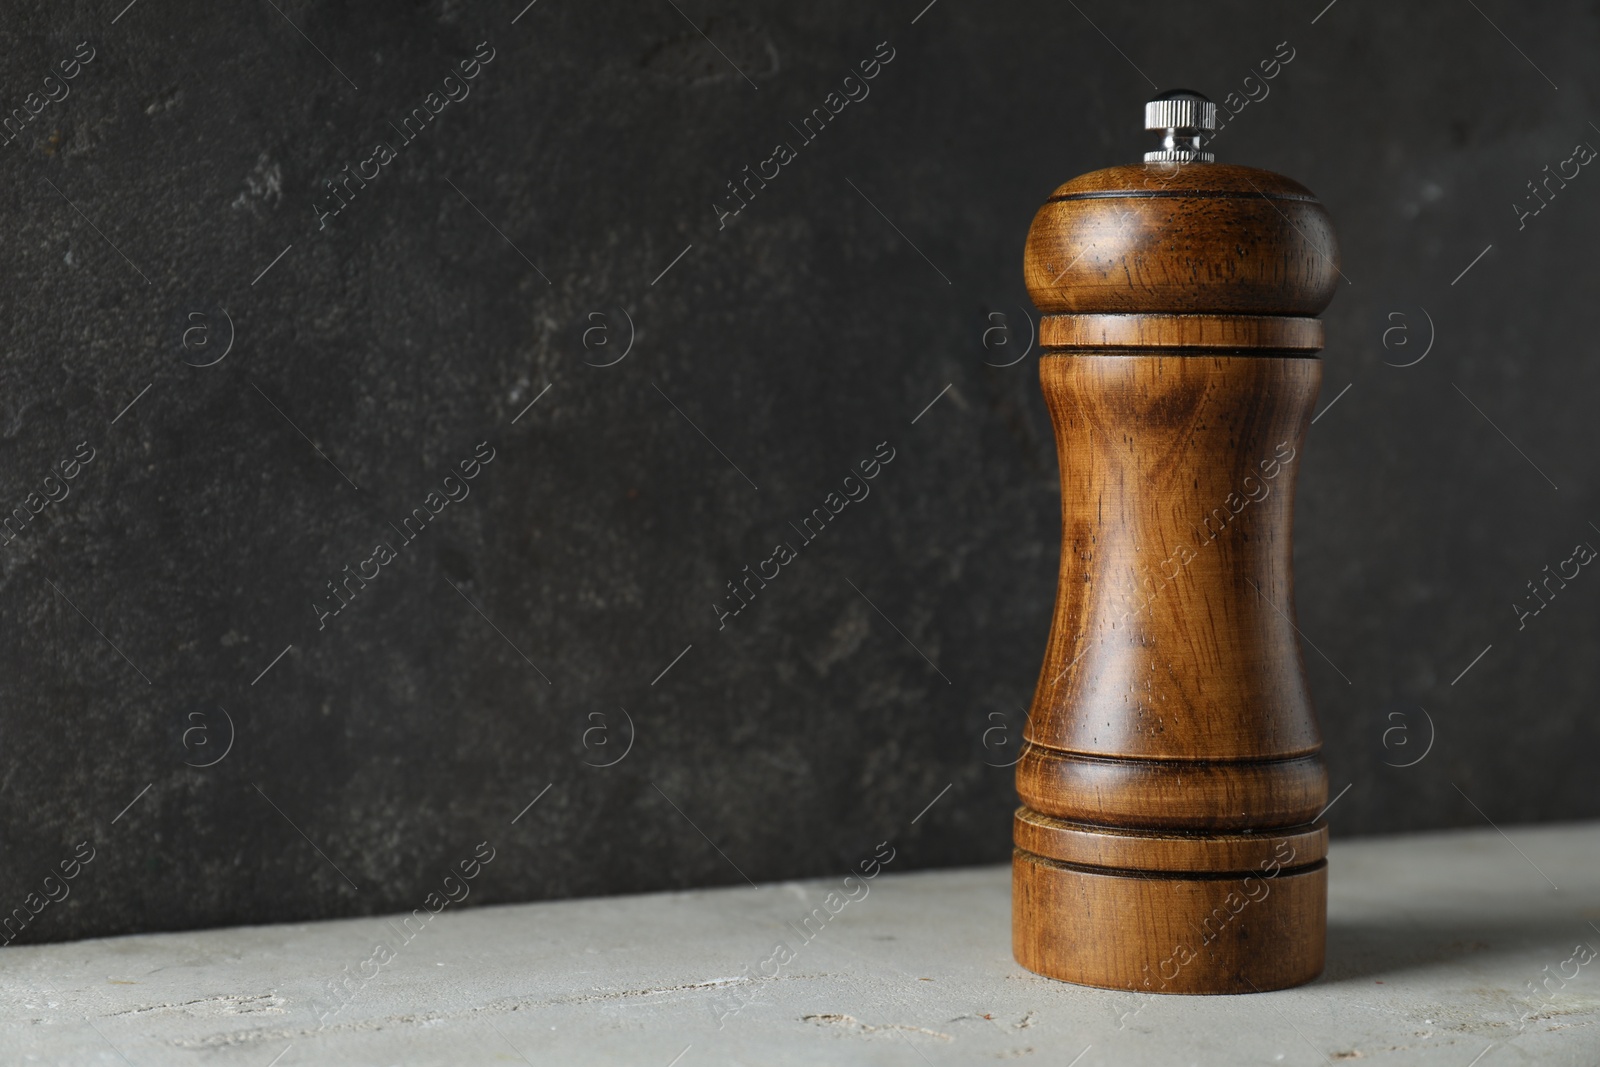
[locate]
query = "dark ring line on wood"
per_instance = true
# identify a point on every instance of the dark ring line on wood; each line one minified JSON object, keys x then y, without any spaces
{"x":1168,"y":851}
{"x":1172,"y":794}
{"x":1268,"y":334}
{"x":1139,"y":931}
{"x":1170,"y":876}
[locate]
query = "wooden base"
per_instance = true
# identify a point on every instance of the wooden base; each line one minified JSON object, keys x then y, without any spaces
{"x":1259,"y":926}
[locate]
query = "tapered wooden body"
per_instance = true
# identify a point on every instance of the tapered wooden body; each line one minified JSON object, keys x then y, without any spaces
{"x":1171,"y":779}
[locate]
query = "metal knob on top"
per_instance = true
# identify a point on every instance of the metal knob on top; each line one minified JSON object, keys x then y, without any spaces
{"x":1183,"y":117}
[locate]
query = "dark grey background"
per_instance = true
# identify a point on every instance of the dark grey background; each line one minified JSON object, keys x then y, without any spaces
{"x":798,"y":338}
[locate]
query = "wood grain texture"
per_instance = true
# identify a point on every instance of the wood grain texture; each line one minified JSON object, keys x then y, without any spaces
{"x":1173,"y":794}
{"x":1173,"y":636}
{"x":1125,"y":930}
{"x":1171,"y":726}
{"x":1204,"y":237}
{"x":1224,"y":333}
{"x":1171,"y":777}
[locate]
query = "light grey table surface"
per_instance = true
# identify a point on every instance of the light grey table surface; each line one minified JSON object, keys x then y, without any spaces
{"x":1436,"y":945}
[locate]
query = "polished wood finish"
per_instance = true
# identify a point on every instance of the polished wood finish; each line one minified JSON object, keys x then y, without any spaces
{"x":1171,"y":637}
{"x":1241,"y":934}
{"x":1086,"y":845}
{"x":1203,"y":237}
{"x":1171,"y":777}
{"x":1172,"y":794}
{"x":1220,"y":333}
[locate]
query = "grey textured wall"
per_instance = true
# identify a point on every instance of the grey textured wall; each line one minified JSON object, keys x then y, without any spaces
{"x":172,"y":204}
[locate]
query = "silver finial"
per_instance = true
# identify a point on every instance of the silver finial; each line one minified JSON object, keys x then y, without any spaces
{"x":1182,"y":117}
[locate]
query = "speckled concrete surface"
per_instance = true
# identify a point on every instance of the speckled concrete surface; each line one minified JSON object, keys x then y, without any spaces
{"x":1445,"y":949}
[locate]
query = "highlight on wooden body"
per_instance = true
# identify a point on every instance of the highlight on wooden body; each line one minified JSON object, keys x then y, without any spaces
{"x":1170,"y":838}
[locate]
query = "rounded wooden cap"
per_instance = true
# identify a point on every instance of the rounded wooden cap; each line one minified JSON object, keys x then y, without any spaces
{"x":1182,"y":237}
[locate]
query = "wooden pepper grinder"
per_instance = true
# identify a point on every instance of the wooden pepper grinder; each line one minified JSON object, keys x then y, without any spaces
{"x":1170,"y":838}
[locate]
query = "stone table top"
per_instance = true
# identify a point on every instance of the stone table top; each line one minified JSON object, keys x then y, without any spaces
{"x":1454,"y":948}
